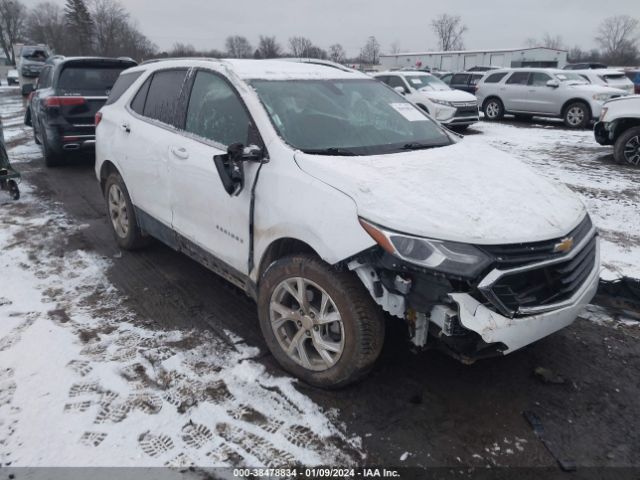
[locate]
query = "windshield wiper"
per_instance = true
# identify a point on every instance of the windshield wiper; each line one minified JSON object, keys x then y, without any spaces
{"x":341,"y":152}
{"x":419,"y":146}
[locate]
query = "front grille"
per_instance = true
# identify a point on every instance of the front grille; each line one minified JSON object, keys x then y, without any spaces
{"x":467,"y":111}
{"x":514,"y":292}
{"x":519,"y":254}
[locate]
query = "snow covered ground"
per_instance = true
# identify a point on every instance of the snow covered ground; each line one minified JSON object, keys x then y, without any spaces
{"x":611,"y":192}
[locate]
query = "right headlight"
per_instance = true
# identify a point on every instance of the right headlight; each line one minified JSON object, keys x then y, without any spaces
{"x":453,"y":258}
{"x":601,"y":97}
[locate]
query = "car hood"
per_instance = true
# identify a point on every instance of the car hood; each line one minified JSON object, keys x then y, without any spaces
{"x":448,"y":95}
{"x":464,"y":193}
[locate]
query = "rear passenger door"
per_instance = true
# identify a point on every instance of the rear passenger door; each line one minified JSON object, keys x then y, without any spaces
{"x":203,"y":212}
{"x":147,"y":135}
{"x":515,"y":93}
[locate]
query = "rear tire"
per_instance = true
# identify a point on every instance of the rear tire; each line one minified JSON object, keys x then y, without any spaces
{"x":577,"y":115}
{"x":122,"y":215}
{"x":51,"y":157}
{"x":493,"y":109}
{"x":350,"y":325}
{"x":627,"y":147}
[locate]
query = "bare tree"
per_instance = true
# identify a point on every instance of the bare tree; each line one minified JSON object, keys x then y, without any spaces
{"x":238,"y":47}
{"x":548,"y":41}
{"x":180,"y":49}
{"x":110,"y":21}
{"x":12,"y":19}
{"x":618,"y":38}
{"x":80,"y":22}
{"x":370,"y":53}
{"x":337,"y":53}
{"x":300,"y":46}
{"x":316,"y":52}
{"x":449,"y":29}
{"x":268,"y":47}
{"x":46,"y":24}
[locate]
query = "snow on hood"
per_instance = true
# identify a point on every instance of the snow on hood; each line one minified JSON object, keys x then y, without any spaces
{"x":449,"y":95}
{"x":463,"y":192}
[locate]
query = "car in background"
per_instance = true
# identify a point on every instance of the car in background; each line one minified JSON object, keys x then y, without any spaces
{"x":30,"y":60}
{"x":608,"y":77}
{"x":442,"y":74}
{"x":69,"y":93}
{"x":482,"y":68}
{"x":13,"y":78}
{"x":619,"y":126}
{"x":585,"y":66}
{"x":634,"y":76}
{"x":545,"y":92}
{"x":453,"y":108}
{"x":465,"y":81}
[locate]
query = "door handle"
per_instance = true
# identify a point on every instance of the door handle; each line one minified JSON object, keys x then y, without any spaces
{"x":126,"y":127}
{"x":181,"y":153}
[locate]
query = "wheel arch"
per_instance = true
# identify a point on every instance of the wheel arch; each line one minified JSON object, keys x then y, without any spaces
{"x":106,"y":169}
{"x":624,"y":124}
{"x":281,"y":248}
{"x":492,"y":97}
{"x":576,"y":100}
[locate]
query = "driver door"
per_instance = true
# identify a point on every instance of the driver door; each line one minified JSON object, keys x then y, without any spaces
{"x":203,"y":212}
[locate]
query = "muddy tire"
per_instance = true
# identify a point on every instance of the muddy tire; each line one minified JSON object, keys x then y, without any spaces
{"x":627,"y":147}
{"x":577,"y":115}
{"x":122,"y":216}
{"x":493,"y":109}
{"x":320,"y":324}
{"x":51,"y":158}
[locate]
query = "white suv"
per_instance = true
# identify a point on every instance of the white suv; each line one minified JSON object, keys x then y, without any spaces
{"x":454,"y":108}
{"x":330,"y":199}
{"x":543,"y":92}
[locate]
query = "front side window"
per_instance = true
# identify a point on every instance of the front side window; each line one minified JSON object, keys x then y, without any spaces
{"x":518,"y":78}
{"x":216,"y":112}
{"x":163,"y":98}
{"x":343,"y":117}
{"x":539,"y":79}
{"x":394,"y":81}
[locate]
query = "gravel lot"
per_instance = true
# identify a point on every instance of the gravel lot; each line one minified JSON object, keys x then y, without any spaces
{"x":148,"y":359}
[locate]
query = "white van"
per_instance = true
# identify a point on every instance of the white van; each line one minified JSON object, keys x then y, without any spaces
{"x":334,"y":202}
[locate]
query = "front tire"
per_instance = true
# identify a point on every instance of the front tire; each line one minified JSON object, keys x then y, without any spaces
{"x":577,"y":115}
{"x":493,"y":109}
{"x":627,"y":147}
{"x":122,"y":215}
{"x":319,"y":323}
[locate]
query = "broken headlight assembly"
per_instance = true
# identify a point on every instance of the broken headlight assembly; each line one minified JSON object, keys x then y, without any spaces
{"x":458,"y":259}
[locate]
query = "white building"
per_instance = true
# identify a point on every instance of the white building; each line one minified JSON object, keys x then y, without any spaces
{"x":457,"y":61}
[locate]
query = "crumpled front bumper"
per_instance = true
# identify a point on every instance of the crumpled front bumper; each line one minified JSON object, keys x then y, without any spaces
{"x":519,"y":332}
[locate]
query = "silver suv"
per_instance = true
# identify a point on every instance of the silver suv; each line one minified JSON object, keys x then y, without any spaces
{"x":543,"y":92}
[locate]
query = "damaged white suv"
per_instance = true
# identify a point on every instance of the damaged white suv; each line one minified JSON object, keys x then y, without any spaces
{"x":330,"y":199}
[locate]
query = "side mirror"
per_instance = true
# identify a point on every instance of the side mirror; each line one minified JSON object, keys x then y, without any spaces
{"x":553,"y":83}
{"x":400,"y":90}
{"x":231,"y":166}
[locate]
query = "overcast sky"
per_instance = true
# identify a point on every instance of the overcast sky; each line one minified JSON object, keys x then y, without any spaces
{"x":491,"y":23}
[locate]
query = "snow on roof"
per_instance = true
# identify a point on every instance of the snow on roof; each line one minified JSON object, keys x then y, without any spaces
{"x":459,"y":52}
{"x":284,"y":70}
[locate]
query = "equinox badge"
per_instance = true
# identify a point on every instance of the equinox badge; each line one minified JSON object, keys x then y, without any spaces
{"x":564,"y":246}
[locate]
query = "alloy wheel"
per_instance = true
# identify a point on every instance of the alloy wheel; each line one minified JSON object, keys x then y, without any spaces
{"x":307,"y":324}
{"x":575,"y":116}
{"x":492,"y":110}
{"x":632,"y":150}
{"x":118,"y":211}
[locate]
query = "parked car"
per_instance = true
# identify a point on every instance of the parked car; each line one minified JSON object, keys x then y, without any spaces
{"x":608,"y":77}
{"x":329,"y":198}
{"x":619,"y":126}
{"x":465,"y":81}
{"x":453,"y":108}
{"x":69,"y":93}
{"x":634,"y":76}
{"x":482,"y":68}
{"x":442,"y":75}
{"x":544,"y":92}
{"x":30,"y":60}
{"x":584,"y":66}
{"x":13,"y":78}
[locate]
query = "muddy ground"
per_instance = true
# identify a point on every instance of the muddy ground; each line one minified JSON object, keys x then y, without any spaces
{"x":441,"y":412}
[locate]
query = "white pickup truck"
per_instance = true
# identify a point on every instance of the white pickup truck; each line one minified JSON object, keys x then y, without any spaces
{"x":619,"y":126}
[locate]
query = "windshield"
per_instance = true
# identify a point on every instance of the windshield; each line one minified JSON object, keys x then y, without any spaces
{"x":346,"y":117}
{"x":35,"y":54}
{"x":570,"y":77}
{"x":426,"y":82}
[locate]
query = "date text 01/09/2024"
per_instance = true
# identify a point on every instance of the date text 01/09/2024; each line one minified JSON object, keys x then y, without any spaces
{"x":320,"y":472}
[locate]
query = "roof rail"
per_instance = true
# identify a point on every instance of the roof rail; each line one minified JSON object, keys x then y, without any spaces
{"x":318,"y":61}
{"x":167,"y":59}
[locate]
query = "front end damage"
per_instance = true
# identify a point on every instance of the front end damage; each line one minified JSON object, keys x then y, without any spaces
{"x":527,"y":292}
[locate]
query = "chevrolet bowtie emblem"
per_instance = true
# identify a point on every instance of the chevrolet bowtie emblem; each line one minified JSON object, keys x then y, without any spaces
{"x":564,"y":246}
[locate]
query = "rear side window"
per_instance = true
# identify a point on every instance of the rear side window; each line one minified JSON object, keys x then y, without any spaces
{"x":518,"y":78}
{"x":164,"y":96}
{"x":44,"y":81}
{"x":495,"y":77}
{"x":88,"y":80}
{"x":460,"y":79}
{"x":141,"y":97}
{"x":122,"y":85}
